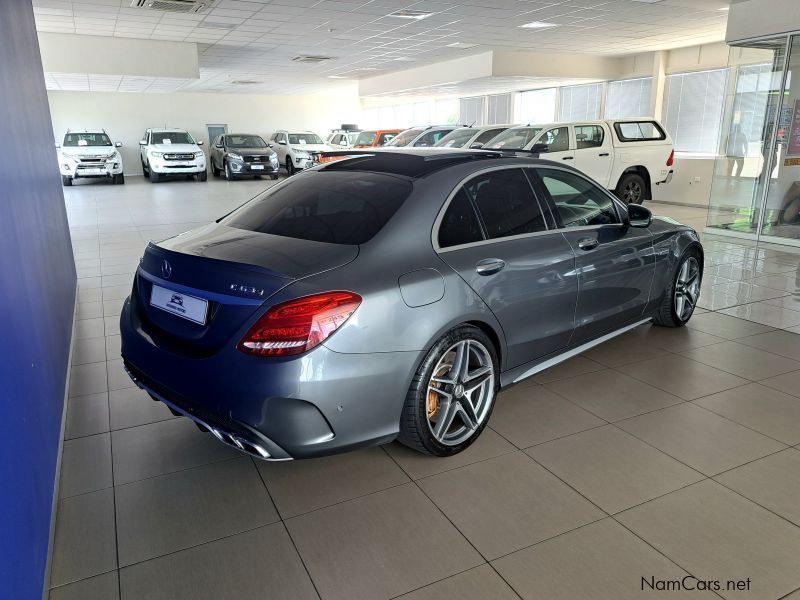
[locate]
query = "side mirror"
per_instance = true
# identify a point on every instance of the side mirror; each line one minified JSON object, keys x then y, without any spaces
{"x":540,"y":148}
{"x":476,"y":145}
{"x":143,"y":142}
{"x":58,"y":145}
{"x":343,"y":143}
{"x":270,"y":145}
{"x":639,"y":216}
{"x":118,"y":145}
{"x":219,"y":145}
{"x":282,"y":142}
{"x":199,"y":142}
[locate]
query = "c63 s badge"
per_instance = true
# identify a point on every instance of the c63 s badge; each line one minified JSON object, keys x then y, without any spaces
{"x":246,"y":289}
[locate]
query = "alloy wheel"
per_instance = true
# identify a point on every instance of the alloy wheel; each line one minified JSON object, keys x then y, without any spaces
{"x":460,"y":392}
{"x":687,"y":288}
{"x":632,"y":193}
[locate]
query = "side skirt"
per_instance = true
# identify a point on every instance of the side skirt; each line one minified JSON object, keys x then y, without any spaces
{"x":520,"y":373}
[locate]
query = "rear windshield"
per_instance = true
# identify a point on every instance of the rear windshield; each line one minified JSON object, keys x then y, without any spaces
{"x":86,"y":139}
{"x":515,"y":138}
{"x":332,"y":207}
{"x":639,"y":131}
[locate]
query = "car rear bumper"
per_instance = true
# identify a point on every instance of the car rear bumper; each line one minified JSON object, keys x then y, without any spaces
{"x":319,"y":403}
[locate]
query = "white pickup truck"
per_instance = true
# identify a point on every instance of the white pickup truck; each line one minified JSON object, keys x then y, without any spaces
{"x":626,"y":156}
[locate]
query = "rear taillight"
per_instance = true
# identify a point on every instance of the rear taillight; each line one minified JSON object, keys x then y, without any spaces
{"x":671,"y":159}
{"x":298,"y":325}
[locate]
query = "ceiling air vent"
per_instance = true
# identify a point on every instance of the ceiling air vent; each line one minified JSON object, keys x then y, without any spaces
{"x":179,"y":6}
{"x":311,"y":59}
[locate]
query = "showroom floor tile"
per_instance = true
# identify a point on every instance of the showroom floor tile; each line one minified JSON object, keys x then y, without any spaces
{"x":613,"y":484}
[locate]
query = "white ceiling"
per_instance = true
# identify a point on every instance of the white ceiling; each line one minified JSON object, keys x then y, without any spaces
{"x":255,"y":40}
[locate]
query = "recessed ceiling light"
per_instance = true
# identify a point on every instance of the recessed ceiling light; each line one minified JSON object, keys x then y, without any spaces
{"x":648,"y":1}
{"x":245,"y":82}
{"x":337,"y":77}
{"x":311,"y":59}
{"x":725,"y":8}
{"x":461,"y":45}
{"x":403,"y":59}
{"x":538,"y":25}
{"x":410,"y":14}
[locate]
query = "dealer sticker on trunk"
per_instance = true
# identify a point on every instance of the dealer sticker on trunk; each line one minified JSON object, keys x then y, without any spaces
{"x":189,"y":307}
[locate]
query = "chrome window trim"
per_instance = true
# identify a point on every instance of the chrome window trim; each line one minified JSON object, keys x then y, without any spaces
{"x":440,"y":216}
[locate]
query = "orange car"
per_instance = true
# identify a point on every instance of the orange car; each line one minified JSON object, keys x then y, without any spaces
{"x":371,"y":138}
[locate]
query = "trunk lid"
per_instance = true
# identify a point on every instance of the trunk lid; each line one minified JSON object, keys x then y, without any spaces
{"x":234,"y":271}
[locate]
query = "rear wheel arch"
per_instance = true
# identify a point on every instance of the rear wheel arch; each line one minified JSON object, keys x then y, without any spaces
{"x":642,"y":172}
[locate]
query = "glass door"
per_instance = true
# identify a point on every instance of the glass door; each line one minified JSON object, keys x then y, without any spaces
{"x":745,"y":164}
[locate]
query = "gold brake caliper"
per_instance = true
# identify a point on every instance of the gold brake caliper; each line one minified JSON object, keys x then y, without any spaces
{"x":433,"y":403}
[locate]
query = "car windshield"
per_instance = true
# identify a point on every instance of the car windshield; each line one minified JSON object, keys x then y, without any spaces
{"x":405,"y":138}
{"x":456,"y":139}
{"x":366,"y":138}
{"x":333,"y":207}
{"x":304,"y":138}
{"x":515,"y":138}
{"x":245,"y":141}
{"x":171,"y":137}
{"x":86,"y":139}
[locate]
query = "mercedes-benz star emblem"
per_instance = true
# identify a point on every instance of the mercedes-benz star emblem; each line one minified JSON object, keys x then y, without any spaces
{"x":166,"y":269}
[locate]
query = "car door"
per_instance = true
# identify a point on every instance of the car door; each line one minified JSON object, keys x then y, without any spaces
{"x":280,"y":146}
{"x":615,"y":263}
{"x":559,"y":143}
{"x":593,"y":152}
{"x":494,"y":233}
{"x":143,"y":146}
{"x":217,"y":151}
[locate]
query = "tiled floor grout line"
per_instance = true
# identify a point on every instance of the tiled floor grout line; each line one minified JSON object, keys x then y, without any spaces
{"x":285,"y":528}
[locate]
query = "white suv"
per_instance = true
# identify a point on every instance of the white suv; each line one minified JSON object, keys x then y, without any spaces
{"x":172,"y":152}
{"x":297,"y":150}
{"x":91,"y":155}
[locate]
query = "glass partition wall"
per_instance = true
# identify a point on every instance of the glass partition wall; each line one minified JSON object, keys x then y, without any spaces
{"x":755,"y":192}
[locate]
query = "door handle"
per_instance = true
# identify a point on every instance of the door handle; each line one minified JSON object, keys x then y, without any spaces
{"x":568,"y":158}
{"x":489,"y":266}
{"x":603,"y":154}
{"x":588,"y":243}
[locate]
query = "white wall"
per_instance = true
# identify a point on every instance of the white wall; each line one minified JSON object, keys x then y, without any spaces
{"x":125,"y":116}
{"x":690,"y":185}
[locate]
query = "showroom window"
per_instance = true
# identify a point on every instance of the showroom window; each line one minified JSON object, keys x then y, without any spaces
{"x":693,"y":106}
{"x":754,"y":84}
{"x":471,"y":110}
{"x":422,"y":113}
{"x":498,"y":109}
{"x":628,"y":98}
{"x":579,"y":102}
{"x":536,"y":106}
{"x":446,"y":112}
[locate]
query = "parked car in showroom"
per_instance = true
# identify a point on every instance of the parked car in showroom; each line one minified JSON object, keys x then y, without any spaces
{"x":375,"y":138}
{"x":89,"y":155}
{"x":470,"y":137}
{"x":168,"y":152}
{"x":242,"y":154}
{"x":391,"y":295}
{"x":420,"y":137}
{"x":343,"y":137}
{"x":627,"y":156}
{"x":299,"y":150}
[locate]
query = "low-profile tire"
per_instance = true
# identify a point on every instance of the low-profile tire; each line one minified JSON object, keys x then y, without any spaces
{"x":631,"y":188}
{"x":679,"y":302}
{"x":202,"y":176}
{"x":119,"y":179}
{"x":214,"y":169}
{"x":289,"y":167}
{"x":66,"y":180}
{"x":450,"y":400}
{"x":154,"y":177}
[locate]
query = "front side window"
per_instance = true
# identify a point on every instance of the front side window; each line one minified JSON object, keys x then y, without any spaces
{"x":557,"y":139}
{"x":589,"y":136}
{"x":328,"y":206}
{"x":488,"y":135}
{"x":578,"y":202}
{"x":86,"y":139}
{"x":505,"y":202}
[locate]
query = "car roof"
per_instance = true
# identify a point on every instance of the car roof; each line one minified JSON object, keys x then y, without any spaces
{"x":414,"y":163}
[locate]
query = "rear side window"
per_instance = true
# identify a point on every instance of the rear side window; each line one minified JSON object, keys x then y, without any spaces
{"x":589,"y":136}
{"x":638,"y":131}
{"x":460,"y":224}
{"x":505,"y":202}
{"x":332,"y":207}
{"x":578,"y":202}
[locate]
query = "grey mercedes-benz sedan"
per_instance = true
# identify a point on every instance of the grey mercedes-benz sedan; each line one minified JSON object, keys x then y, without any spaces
{"x":391,"y":295}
